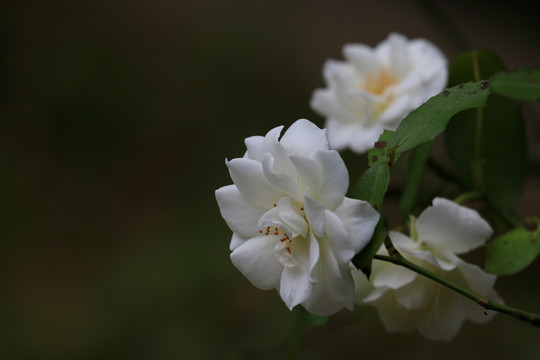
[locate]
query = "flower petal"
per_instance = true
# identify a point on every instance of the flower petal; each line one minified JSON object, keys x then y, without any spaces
{"x":310,"y":175}
{"x":315,"y":215}
{"x":391,"y":276}
{"x":249,"y":177}
{"x":295,"y":286}
{"x":393,"y":316}
{"x":304,"y":138}
{"x":236,"y":241}
{"x":399,"y":58}
{"x":477,"y":279}
{"x":417,"y":294}
{"x":239,"y":215}
{"x":362,"y":57}
{"x":256,"y":259}
{"x":340,"y":134}
{"x":360,"y":220}
{"x":281,"y":181}
{"x":334,"y":286}
{"x":447,"y":226}
{"x":254,"y":145}
{"x":445,"y":317}
{"x":335,"y":178}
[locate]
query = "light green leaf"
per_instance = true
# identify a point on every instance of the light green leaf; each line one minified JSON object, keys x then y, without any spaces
{"x":519,"y":85}
{"x":430,"y":119}
{"x":381,"y":152}
{"x":364,"y":258}
{"x":373,"y":185}
{"x":515,"y":250}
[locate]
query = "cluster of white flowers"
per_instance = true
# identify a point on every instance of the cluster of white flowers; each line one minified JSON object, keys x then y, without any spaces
{"x":406,"y":300}
{"x":295,"y":231}
{"x":376,"y":88}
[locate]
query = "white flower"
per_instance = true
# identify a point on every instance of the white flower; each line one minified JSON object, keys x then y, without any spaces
{"x":376,"y":88}
{"x":293,"y":228}
{"x":406,"y":300}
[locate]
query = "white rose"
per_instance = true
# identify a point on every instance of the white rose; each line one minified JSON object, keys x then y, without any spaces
{"x":406,"y":300}
{"x":376,"y":88}
{"x":293,"y":228}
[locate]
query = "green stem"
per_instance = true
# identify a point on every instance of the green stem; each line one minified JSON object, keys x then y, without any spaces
{"x":487,"y":304}
{"x":469,"y":196}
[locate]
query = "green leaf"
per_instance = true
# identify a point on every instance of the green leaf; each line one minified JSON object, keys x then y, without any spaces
{"x":304,"y":320}
{"x":430,"y":119}
{"x":487,"y":146}
{"x":519,"y":85}
{"x":515,"y":250}
{"x":373,"y":185}
{"x":417,"y":162}
{"x":381,"y":152}
{"x":364,"y":258}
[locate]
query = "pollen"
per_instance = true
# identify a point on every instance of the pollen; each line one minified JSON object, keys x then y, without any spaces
{"x":379,"y":83}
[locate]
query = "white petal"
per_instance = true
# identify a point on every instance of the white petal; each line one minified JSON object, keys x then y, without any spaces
{"x":397,"y":110}
{"x":399,"y":57}
{"x":334,"y":287}
{"x":374,"y":294}
{"x":403,"y":242}
{"x":446,"y":316}
{"x":304,"y":138}
{"x":254,"y":145}
{"x":236,"y":241}
{"x":362,"y":286}
{"x":310,"y":175}
{"x":364,"y":138}
{"x":315,"y":215}
{"x":272,"y":146}
{"x":448,"y":226}
{"x":339,"y":74}
{"x":360,"y":219}
{"x":256,"y":259}
{"x":335,"y":178}
{"x":340,"y":135}
{"x":295,"y":286}
{"x":393,"y":316}
{"x":241,"y":216}
{"x":362,"y":57}
{"x":249,"y":177}
{"x":392,"y":276}
{"x":325,"y":103}
{"x":417,"y":294}
{"x":416,"y":252}
{"x":338,"y":239}
{"x":284,"y":182}
{"x":476,"y":279}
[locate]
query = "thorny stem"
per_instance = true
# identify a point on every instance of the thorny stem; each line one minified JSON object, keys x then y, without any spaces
{"x":396,"y":258}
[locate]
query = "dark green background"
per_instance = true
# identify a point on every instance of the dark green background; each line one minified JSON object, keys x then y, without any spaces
{"x":115,"y":121}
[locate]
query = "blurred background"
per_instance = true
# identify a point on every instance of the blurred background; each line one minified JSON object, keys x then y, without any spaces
{"x":115,"y":121}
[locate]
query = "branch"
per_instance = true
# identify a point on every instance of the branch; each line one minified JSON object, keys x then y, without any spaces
{"x":397,"y":259}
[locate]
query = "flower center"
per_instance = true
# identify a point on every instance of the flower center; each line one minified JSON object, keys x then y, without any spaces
{"x":286,"y":225}
{"x":379,"y":83}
